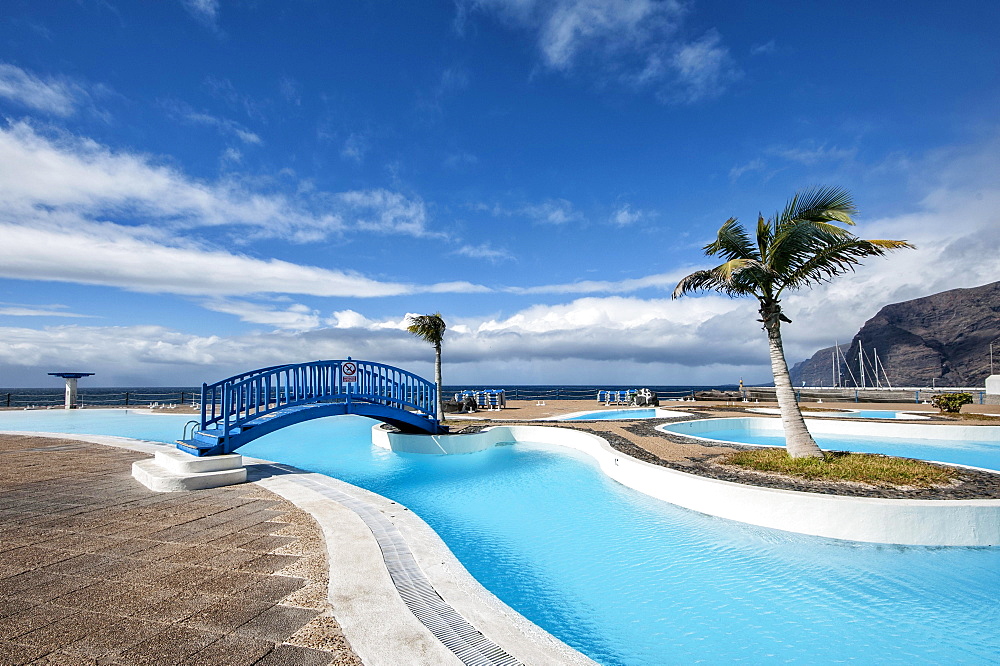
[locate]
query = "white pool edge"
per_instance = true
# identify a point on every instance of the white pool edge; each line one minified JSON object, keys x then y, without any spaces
{"x":658,"y":413}
{"x":845,"y":413}
{"x":866,"y":519}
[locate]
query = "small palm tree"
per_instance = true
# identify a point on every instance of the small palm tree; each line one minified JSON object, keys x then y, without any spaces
{"x":800,"y":247}
{"x":431,"y":329}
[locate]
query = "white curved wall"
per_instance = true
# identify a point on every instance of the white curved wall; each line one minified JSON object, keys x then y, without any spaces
{"x":908,"y":522}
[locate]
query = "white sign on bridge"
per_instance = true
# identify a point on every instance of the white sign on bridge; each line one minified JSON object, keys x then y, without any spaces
{"x":349,"y":372}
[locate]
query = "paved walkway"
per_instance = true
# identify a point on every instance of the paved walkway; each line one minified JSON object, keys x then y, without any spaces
{"x":96,"y":569}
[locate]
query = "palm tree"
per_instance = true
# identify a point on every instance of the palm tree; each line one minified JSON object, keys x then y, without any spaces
{"x":431,"y":329}
{"x":800,"y":247}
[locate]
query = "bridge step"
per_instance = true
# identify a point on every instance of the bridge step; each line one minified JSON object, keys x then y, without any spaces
{"x":199,"y":448}
{"x":172,"y":471}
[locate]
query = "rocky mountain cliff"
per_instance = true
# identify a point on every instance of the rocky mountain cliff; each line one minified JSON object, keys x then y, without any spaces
{"x":944,"y":338}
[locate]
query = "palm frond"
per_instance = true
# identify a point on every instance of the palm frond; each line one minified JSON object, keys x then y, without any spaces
{"x":819,"y":204}
{"x":429,"y":328}
{"x":731,"y":241}
{"x":802,"y":245}
{"x":736,"y":277}
{"x":838,"y":257}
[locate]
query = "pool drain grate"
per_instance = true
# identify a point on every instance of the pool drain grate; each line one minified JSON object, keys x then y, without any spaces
{"x":416,"y":591}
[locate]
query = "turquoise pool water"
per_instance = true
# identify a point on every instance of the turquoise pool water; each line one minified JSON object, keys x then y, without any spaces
{"x":976,"y":454}
{"x":630,"y":580}
{"x":875,"y":414}
{"x":613,"y":415}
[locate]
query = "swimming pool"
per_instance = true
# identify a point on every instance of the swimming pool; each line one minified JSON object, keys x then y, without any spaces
{"x":619,"y":414}
{"x":978,"y":446}
{"x":850,"y":414}
{"x":627,"y":579}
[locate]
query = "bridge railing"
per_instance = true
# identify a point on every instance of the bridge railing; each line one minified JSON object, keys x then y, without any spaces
{"x":244,"y":397}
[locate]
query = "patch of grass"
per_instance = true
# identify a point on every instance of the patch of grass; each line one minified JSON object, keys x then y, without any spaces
{"x":868,"y":468}
{"x":820,"y":409}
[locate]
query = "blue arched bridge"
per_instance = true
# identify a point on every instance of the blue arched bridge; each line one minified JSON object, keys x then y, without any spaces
{"x":242,"y":408}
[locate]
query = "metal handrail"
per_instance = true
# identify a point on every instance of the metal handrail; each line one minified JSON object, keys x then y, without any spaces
{"x":195,"y":424}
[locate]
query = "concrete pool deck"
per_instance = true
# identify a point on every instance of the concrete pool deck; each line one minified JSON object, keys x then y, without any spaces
{"x":95,"y":568}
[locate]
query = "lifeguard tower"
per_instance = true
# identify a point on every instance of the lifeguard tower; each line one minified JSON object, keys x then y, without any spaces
{"x":71,"y":380}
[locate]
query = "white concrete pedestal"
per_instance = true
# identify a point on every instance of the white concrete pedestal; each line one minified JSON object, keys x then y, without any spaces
{"x":992,"y":390}
{"x":173,"y":471}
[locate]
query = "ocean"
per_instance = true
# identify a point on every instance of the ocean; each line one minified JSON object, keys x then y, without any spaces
{"x":143,"y":396}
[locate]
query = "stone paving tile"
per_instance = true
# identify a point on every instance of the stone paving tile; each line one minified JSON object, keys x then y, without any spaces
{"x":66,"y":630}
{"x":78,"y":564}
{"x":178,"y":607}
{"x":34,"y":556}
{"x":14,"y":605}
{"x":226,"y":615}
{"x":232,"y":583}
{"x":120,"y":547}
{"x":29,"y":619}
{"x":198,"y":554}
{"x":230,"y":651}
{"x":292,"y":655}
{"x":115,"y":597}
{"x":188,"y":576}
{"x":235,"y":559}
{"x":267,"y":544}
{"x":277,"y":623}
{"x":41,"y":586}
{"x":55,"y":588}
{"x":274,"y":588}
{"x":269,"y":563}
{"x":14,"y":654}
{"x":61,"y":659}
{"x":108,"y":643}
{"x":169,"y":646}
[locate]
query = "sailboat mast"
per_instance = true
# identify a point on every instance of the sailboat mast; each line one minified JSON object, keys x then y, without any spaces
{"x":861,"y":364}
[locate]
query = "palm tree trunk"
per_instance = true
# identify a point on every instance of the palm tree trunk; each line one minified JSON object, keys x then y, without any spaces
{"x":437,"y":381}
{"x":798,"y":442}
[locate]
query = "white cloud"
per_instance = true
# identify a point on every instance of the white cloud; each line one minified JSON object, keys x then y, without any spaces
{"x":704,"y":68}
{"x":289,"y":89}
{"x":52,"y":96}
{"x":68,"y":249}
{"x":206,"y":11}
{"x":634,"y":41}
{"x":663,"y":281}
{"x":386,"y":212}
{"x":460,"y":159}
{"x":355,"y":147}
{"x":295,"y":317}
{"x":807,"y":153}
{"x":625,"y":216}
{"x":657,"y":341}
{"x":815,"y":154}
{"x":566,"y":28}
{"x":484,"y":251}
{"x":755,"y":164}
{"x":80,"y":176}
{"x":223,"y":125}
{"x":22,"y":310}
{"x":55,"y":192}
{"x":553,"y":211}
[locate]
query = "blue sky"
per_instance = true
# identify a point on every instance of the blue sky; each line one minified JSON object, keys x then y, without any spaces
{"x":192,"y":188}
